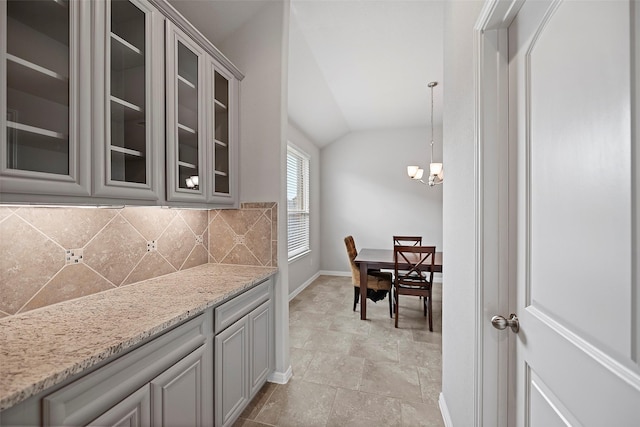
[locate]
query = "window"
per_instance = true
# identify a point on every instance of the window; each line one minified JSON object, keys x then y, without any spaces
{"x":297,"y":202}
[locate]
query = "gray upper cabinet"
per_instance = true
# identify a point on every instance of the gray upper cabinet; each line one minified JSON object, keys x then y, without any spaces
{"x":129,"y":95}
{"x":114,"y":102}
{"x":186,"y":123}
{"x":202,"y":120}
{"x":222,"y":139}
{"x":44,"y":111}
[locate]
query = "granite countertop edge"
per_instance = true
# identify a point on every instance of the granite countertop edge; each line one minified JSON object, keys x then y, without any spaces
{"x":174,"y":297}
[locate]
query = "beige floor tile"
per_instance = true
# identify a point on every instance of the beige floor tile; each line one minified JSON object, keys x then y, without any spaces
{"x":309,"y":320}
{"x":298,"y":336}
{"x":243,"y":422}
{"x":374,"y":349}
{"x":430,"y":384}
{"x":421,"y":415}
{"x":256,"y":404}
{"x":355,"y":409}
{"x":391,"y":379}
{"x":350,"y":324}
{"x":336,"y":370}
{"x":419,"y":353}
{"x":329,"y":342}
{"x":298,"y":403}
{"x":346,"y":371}
{"x":300,"y":360}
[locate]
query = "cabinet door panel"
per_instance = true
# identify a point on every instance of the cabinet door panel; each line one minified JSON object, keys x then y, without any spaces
{"x":260,"y":320}
{"x":134,"y":411}
{"x":232,"y":372}
{"x":181,"y":396}
{"x":222,"y":134}
{"x":186,"y":158}
{"x":128,"y":54}
{"x":44,"y":106}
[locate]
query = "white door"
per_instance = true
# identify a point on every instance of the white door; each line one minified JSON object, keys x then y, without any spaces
{"x":572,"y":83}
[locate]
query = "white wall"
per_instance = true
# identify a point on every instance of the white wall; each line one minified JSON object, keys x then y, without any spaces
{"x":366,"y":192}
{"x":305,"y":268}
{"x":260,"y":48}
{"x":458,"y":309}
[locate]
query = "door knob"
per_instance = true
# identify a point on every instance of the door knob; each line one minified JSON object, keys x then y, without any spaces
{"x":501,"y":323}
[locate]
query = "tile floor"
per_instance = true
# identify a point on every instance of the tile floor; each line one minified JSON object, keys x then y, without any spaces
{"x":348,"y":372}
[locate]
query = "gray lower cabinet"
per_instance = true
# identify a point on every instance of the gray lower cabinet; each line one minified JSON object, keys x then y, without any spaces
{"x":166,"y":382}
{"x":243,"y":351}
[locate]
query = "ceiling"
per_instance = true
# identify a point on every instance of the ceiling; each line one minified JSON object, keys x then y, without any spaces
{"x":353,"y":64}
{"x":363,"y":64}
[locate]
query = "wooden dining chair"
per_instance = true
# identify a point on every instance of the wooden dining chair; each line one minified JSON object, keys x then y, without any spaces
{"x":407,"y":240}
{"x":413,"y":271}
{"x":379,"y":283}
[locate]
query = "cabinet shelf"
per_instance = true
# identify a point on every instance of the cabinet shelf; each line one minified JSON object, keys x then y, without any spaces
{"x":127,"y":151}
{"x":187,"y":165}
{"x":124,"y":55}
{"x":186,"y":82}
{"x":219,"y":105}
{"x":220,"y":173}
{"x":31,"y":78}
{"x":130,"y":111}
{"x":36,"y":130}
{"x":220,"y":143}
{"x":186,"y":129}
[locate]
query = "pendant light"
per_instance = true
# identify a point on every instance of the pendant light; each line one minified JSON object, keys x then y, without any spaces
{"x":436,"y":171}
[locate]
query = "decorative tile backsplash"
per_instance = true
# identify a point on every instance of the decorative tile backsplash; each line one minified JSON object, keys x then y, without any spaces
{"x":49,"y":255}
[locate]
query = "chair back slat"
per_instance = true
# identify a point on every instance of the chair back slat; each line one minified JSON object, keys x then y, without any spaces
{"x":407,"y":240}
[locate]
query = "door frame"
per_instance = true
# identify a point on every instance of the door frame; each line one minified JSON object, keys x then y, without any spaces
{"x":495,"y":191}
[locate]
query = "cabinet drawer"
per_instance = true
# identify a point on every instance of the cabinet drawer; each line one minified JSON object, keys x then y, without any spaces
{"x":238,"y":307}
{"x":95,"y":393}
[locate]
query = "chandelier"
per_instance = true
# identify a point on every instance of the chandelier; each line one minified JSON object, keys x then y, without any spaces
{"x":436,"y":171}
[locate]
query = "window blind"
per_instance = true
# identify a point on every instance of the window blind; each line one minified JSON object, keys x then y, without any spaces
{"x":297,"y":202}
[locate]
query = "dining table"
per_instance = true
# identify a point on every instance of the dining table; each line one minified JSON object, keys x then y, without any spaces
{"x":378,"y":259}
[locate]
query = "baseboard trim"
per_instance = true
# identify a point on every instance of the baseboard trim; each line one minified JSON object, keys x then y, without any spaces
{"x":280,"y":377}
{"x":302,"y":287}
{"x":444,"y":411}
{"x":334,"y":273}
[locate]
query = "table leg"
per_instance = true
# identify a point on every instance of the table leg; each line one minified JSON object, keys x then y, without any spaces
{"x":363,"y":290}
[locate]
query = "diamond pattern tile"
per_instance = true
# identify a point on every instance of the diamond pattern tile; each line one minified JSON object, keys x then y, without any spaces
{"x":73,"y":281}
{"x":115,"y":251}
{"x":69,"y":227}
{"x":151,"y":221}
{"x":28,"y":259}
{"x":221,"y":238}
{"x":176,"y":242}
{"x":114,"y":243}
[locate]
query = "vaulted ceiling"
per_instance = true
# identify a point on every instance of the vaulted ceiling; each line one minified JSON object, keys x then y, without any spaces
{"x":363,"y":64}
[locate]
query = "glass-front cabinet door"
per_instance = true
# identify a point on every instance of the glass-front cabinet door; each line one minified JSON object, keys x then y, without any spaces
{"x":185,"y":118}
{"x":44,"y":111}
{"x":222,"y":143}
{"x":128,"y":114}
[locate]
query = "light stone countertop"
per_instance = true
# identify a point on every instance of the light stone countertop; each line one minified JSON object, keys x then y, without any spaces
{"x":43,"y":347}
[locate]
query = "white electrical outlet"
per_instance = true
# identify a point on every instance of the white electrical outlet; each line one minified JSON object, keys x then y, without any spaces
{"x":74,"y":256}
{"x":152,"y":246}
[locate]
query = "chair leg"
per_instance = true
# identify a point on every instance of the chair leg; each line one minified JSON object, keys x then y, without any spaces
{"x":356,"y":297}
{"x":390,"y":304}
{"x":395,"y":299}
{"x":430,"y":316}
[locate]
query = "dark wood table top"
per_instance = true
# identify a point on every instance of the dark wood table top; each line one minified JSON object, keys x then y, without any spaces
{"x":383,"y":258}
